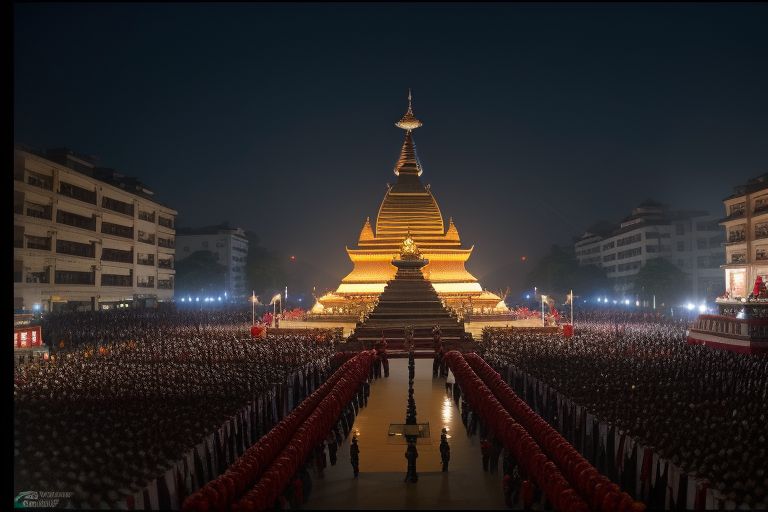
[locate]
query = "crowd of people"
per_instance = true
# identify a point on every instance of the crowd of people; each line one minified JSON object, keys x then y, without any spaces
{"x":128,"y":392}
{"x":703,"y":409}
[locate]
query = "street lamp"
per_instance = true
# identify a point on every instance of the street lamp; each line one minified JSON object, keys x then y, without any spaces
{"x":254,"y":300}
{"x":543,"y":298}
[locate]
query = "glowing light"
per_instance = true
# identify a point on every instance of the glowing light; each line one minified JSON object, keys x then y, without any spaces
{"x":523,"y":258}
{"x":626,"y":301}
{"x":637,"y":303}
{"x":182,"y":299}
{"x":35,"y":307}
{"x":446,"y":411}
{"x":293,"y":258}
{"x":689,"y":306}
{"x":219,"y":299}
{"x":527,"y":296}
{"x":605,"y":299}
{"x":614,"y":301}
{"x":702,"y":308}
{"x":197,"y":299}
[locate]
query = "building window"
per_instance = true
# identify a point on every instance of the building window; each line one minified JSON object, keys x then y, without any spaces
{"x":147,"y":216}
{"x":39,"y":211}
{"x":761,"y":204}
{"x":73,"y":277}
{"x":117,"y":205}
{"x":117,"y":255}
{"x":609,"y":245}
{"x":701,"y":243}
{"x":168,"y":243}
{"x":40,"y":277}
{"x":146,"y":238}
{"x":761,"y":230}
{"x":166,"y":263}
{"x":738,"y":257}
{"x":146,"y":282}
{"x":220,"y":244}
{"x":630,"y":253}
{"x":629,"y":240}
{"x":165,"y":284}
{"x":75,"y":220}
{"x":79,"y":193}
{"x":109,"y":228}
{"x":651,"y":248}
{"x":679,"y":229}
{"x":165,"y":222}
{"x":40,"y":243}
{"x":680,"y":246}
{"x":18,"y":265}
{"x":761,"y":254}
{"x":145,"y":259}
{"x":40,"y":180}
{"x":75,"y":248}
{"x":116,"y":280}
{"x":737,"y":209}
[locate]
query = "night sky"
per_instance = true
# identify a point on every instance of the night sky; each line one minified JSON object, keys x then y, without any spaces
{"x":538,"y":119}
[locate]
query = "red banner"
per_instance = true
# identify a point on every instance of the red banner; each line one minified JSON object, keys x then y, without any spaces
{"x":27,"y":337}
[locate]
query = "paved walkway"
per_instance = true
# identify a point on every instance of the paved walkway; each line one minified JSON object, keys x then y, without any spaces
{"x":382,"y":460}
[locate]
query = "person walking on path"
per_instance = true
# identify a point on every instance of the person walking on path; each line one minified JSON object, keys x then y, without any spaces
{"x":445,"y":450}
{"x":450,"y":380}
{"x":485,"y":449}
{"x":332,"y":446}
{"x":354,"y":456}
{"x":411,"y":454}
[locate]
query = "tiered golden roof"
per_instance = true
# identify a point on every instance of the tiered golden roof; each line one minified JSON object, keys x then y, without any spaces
{"x":409,"y":210}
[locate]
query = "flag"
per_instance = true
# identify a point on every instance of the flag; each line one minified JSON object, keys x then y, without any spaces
{"x":255,"y":298}
{"x":569,"y":298}
{"x":276,"y":298}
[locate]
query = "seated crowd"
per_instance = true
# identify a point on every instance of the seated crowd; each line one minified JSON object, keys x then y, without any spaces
{"x":703,"y":409}
{"x":134,"y":390}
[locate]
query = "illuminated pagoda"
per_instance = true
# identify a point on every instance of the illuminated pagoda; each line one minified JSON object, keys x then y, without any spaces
{"x":409,"y":209}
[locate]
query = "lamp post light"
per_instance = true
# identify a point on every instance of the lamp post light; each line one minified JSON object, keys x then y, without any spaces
{"x":543,"y":298}
{"x":254,"y":299}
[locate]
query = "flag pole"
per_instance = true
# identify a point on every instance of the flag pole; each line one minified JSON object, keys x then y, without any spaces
{"x":571,"y":306}
{"x":253,"y":309}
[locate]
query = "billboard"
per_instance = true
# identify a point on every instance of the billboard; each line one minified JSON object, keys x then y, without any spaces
{"x":27,"y":337}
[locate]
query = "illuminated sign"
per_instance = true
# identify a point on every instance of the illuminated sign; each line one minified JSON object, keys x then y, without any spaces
{"x":27,"y":337}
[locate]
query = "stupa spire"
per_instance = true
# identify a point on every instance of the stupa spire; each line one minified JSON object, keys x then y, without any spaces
{"x":408,"y":163}
{"x":409,"y":122}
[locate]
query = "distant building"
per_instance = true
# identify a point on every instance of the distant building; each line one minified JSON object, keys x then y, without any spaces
{"x":230,"y":248}
{"x":691,"y":240}
{"x":746,"y":243}
{"x":86,"y":237}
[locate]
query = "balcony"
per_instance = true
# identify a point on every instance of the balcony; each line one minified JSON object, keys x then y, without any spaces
{"x":116,"y":280}
{"x":73,"y":277}
{"x":145,"y":238}
{"x":79,"y":193}
{"x":165,"y":284}
{"x":165,"y":222}
{"x":39,"y":211}
{"x":149,"y":217}
{"x":761,"y":232}
{"x":109,"y":228}
{"x":42,"y":277}
{"x":146,"y":260}
{"x":148,"y":282}
{"x":39,"y":243}
{"x":738,"y":258}
{"x":117,"y":206}
{"x":40,"y":181}
{"x":165,"y":264}
{"x":166,"y":242}
{"x":75,"y":220}
{"x":75,"y":249}
{"x":117,"y":255}
{"x":760,"y":208}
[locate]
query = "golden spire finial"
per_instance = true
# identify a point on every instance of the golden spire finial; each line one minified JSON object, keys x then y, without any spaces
{"x":409,"y":122}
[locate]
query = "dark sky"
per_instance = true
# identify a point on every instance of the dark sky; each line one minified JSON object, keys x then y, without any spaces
{"x":538,"y":119}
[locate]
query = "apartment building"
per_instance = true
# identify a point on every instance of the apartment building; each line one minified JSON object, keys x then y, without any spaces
{"x":228,"y":245}
{"x":87,"y":237}
{"x":746,"y":236}
{"x":689,"y":239}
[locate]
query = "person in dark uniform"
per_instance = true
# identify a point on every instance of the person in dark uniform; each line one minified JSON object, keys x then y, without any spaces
{"x":437,"y":345}
{"x":485,"y":449}
{"x":354,"y":456}
{"x":495,"y":452}
{"x":332,"y":446}
{"x":445,"y":450}
{"x":411,"y":454}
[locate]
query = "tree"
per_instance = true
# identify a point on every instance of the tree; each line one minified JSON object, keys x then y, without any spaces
{"x":663,"y":279}
{"x":559,"y":271}
{"x":264,"y":268}
{"x":200,"y":272}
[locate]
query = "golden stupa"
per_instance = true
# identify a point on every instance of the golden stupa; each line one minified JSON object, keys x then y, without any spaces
{"x":409,"y":211}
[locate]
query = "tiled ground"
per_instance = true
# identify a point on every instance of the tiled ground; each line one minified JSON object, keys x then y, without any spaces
{"x":382,"y":461}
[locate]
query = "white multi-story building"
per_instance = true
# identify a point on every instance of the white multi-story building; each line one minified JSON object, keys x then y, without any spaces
{"x":746,"y":242}
{"x":691,"y":240}
{"x":228,"y":245}
{"x":87,"y":237}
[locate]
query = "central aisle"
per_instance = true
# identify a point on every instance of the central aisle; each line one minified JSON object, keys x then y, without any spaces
{"x":382,"y":463}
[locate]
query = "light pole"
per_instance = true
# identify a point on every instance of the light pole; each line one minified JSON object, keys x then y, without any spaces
{"x":253,"y":308}
{"x":543,"y":298}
